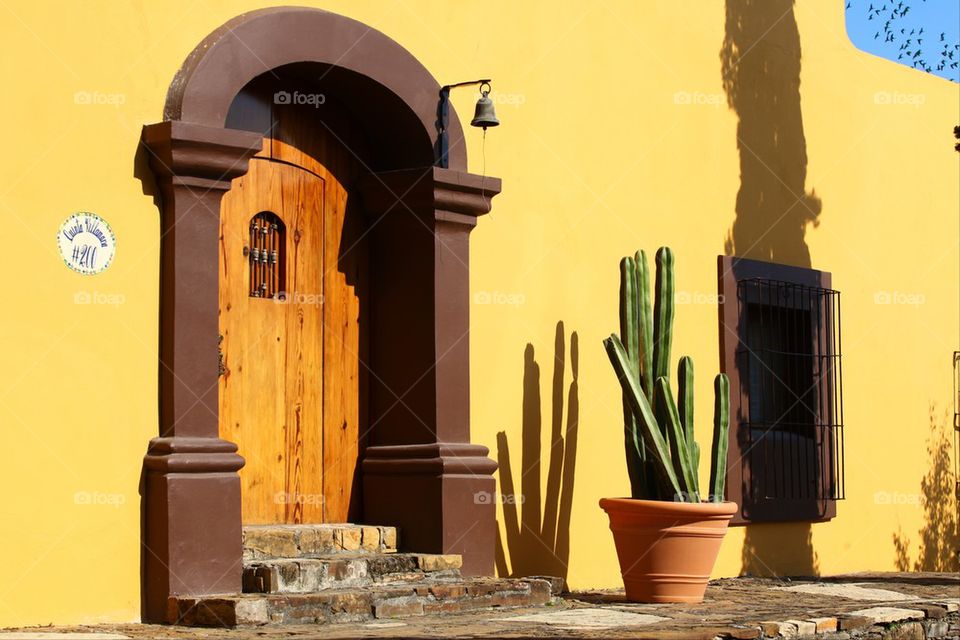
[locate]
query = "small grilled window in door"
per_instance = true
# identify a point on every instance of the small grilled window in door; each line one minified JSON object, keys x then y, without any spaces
{"x":267,"y":256}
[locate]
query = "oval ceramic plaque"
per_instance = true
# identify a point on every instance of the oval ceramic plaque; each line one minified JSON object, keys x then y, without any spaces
{"x":87,"y":243}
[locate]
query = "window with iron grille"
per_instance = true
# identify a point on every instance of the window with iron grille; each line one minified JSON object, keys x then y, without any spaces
{"x":266,"y":253}
{"x":780,"y":345}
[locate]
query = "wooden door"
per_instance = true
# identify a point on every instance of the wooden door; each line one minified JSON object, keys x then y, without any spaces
{"x":293,"y":379}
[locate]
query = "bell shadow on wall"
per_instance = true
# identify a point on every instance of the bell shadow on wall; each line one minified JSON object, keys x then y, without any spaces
{"x":538,"y":526}
{"x":760,"y":68}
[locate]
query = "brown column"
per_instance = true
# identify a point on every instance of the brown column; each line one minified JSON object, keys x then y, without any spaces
{"x":421,"y":472}
{"x":190,"y":489}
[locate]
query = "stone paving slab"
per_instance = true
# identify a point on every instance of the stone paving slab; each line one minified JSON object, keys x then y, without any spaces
{"x":587,"y":618}
{"x":850,"y":591}
{"x":734,"y":608}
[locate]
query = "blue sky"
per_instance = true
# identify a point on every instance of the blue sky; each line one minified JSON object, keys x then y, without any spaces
{"x":892,"y":30}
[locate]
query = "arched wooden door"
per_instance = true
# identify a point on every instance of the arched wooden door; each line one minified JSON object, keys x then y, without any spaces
{"x":292,"y":266}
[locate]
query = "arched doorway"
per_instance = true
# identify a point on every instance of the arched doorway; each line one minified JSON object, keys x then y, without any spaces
{"x":409,"y":294}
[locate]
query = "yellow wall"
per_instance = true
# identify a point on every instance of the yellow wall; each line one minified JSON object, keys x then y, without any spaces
{"x":597,"y":159}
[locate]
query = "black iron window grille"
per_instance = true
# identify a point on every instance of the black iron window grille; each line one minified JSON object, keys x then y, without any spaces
{"x":267,"y":255}
{"x":791,"y":427}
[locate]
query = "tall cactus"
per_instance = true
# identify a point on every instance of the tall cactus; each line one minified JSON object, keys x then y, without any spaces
{"x":663,"y":458}
{"x":721,"y":431}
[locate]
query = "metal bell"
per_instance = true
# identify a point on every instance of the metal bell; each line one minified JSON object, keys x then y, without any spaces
{"x":484,"y":115}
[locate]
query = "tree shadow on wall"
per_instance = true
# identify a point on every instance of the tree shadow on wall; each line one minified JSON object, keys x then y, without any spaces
{"x":760,"y":66}
{"x":538,"y":526}
{"x":761,"y":76}
{"x":940,"y":534}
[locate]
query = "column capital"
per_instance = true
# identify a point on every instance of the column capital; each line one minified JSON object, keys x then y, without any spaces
{"x":199,"y":156}
{"x":450,"y":195}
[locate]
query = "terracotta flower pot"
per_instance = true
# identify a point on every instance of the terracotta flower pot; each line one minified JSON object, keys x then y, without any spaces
{"x":667,"y":549}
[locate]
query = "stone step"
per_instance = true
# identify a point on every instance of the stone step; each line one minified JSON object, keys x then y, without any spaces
{"x":265,"y":542}
{"x":390,"y":600}
{"x":305,"y":575}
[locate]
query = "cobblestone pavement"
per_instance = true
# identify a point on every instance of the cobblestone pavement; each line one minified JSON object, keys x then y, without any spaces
{"x":902,"y":606}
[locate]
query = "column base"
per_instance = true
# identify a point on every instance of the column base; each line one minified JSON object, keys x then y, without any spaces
{"x":192,"y":539}
{"x":440,"y":495}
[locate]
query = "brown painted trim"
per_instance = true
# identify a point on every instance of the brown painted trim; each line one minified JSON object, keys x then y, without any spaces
{"x":448,"y":458}
{"x":191,"y":490}
{"x":421,"y":446}
{"x":421,"y":472}
{"x":730,"y":271}
{"x":259,"y":41}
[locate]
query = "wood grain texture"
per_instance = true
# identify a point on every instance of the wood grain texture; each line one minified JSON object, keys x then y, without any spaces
{"x":271,"y":401}
{"x":302,"y":141}
{"x":293,"y":396}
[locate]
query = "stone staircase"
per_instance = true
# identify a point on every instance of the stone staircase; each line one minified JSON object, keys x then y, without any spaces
{"x":316,"y":574}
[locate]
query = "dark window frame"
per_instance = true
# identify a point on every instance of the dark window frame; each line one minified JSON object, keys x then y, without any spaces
{"x":732,"y":273}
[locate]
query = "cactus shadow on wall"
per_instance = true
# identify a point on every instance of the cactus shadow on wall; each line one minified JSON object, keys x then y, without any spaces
{"x":537,"y":524}
{"x":939,"y":536}
{"x":760,"y":68}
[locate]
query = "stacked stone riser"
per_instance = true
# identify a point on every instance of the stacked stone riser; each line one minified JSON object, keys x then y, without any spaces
{"x":304,"y":575}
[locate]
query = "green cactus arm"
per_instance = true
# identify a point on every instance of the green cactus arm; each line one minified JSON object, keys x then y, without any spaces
{"x":721,"y":430}
{"x":645,"y":317}
{"x":658,"y":452}
{"x":682,"y":460}
{"x":685,"y":408}
{"x":695,"y":455}
{"x":663,"y":314}
{"x":629,"y":334}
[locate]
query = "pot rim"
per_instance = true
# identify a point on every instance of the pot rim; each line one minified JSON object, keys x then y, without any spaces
{"x":668,"y":506}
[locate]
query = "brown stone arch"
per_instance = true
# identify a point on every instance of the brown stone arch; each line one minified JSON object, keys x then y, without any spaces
{"x":420,"y":472}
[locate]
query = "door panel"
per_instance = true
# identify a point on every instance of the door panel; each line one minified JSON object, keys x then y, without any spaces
{"x":271,"y":392}
{"x":299,"y":139}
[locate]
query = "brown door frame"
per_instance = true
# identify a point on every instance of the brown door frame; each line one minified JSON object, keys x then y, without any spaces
{"x":420,"y":472}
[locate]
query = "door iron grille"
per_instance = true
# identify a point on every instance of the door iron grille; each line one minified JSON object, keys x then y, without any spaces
{"x":792,"y":422}
{"x":267,"y":255}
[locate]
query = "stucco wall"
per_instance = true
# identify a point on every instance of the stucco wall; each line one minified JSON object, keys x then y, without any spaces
{"x":616,"y":135}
